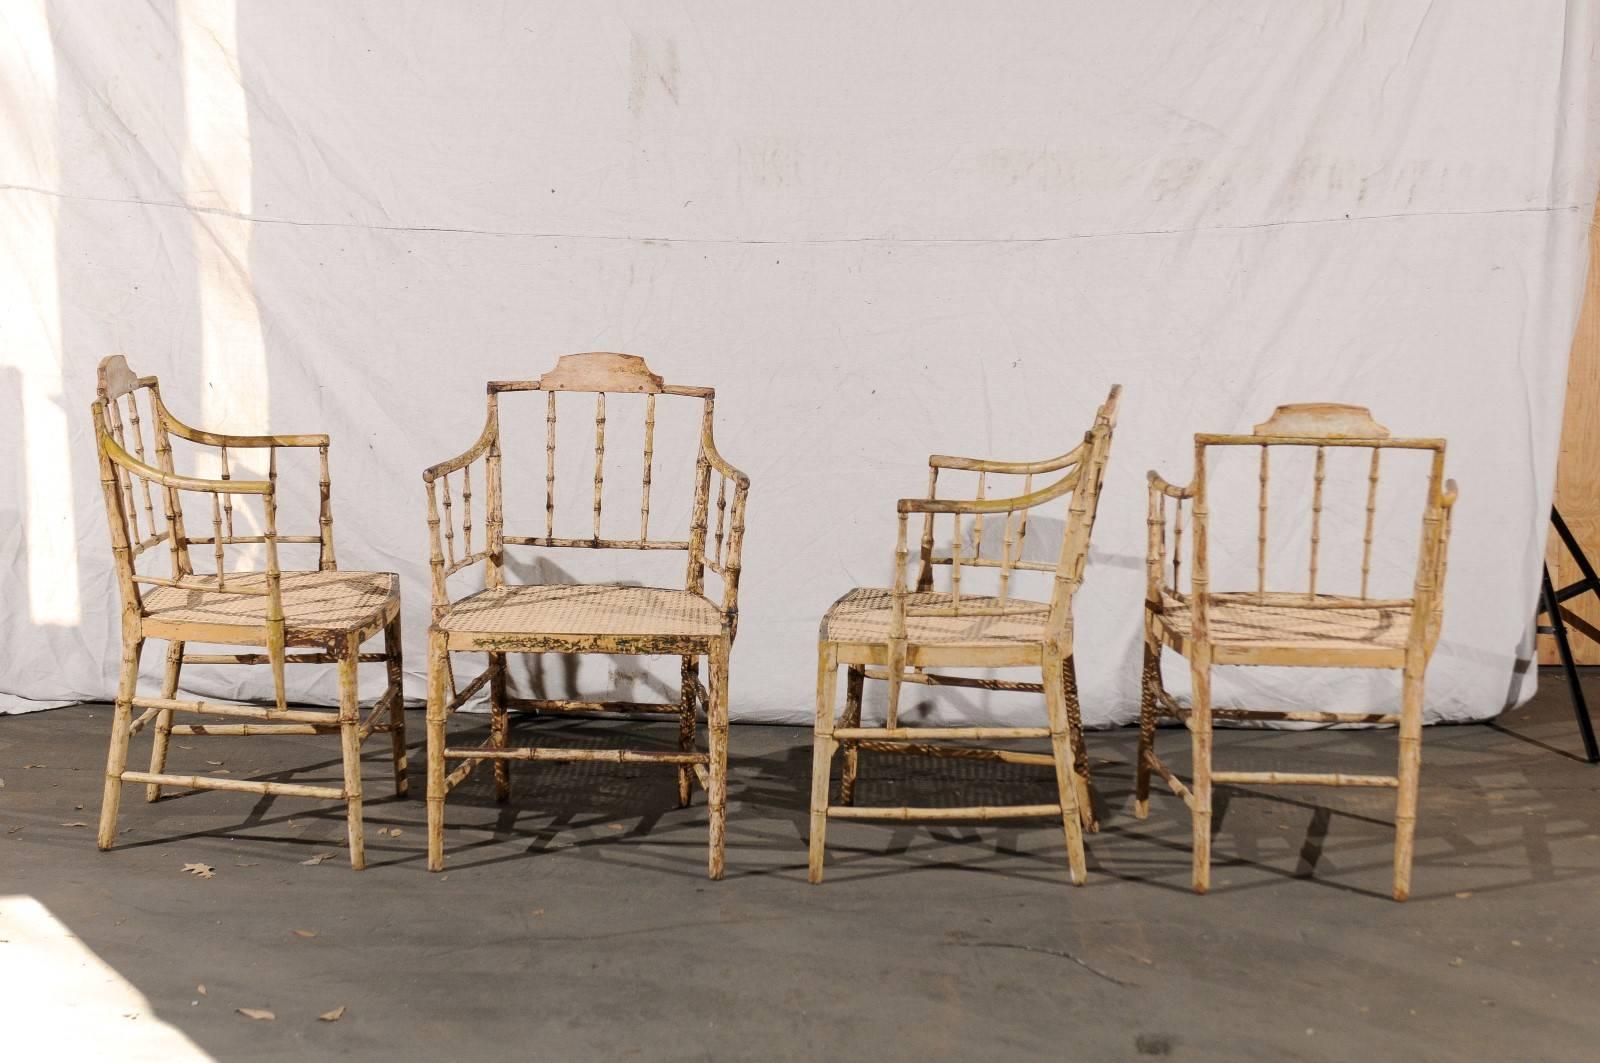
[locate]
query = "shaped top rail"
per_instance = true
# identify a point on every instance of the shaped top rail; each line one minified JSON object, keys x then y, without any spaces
{"x":600,"y":371}
{"x":1313,"y":420}
{"x":116,"y":379}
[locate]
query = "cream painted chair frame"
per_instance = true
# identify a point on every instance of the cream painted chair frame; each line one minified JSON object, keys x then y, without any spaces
{"x":330,"y":612}
{"x":661,"y":621}
{"x":1310,"y":629}
{"x":1043,"y":640}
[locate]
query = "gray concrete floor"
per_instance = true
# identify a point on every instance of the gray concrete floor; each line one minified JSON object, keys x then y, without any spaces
{"x":576,"y":922}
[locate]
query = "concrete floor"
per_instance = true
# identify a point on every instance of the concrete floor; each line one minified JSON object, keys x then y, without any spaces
{"x":576,"y":923}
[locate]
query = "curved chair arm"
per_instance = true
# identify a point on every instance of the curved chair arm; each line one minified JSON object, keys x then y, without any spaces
{"x":227,"y":439}
{"x":1170,"y":490}
{"x":729,"y":551}
{"x":441,"y":566}
{"x":467,"y":457}
{"x":719,"y":463}
{"x":1156,"y":550}
{"x":1012,"y":468}
{"x":991,"y":505}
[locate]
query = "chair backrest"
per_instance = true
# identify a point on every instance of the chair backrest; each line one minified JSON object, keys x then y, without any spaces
{"x":1322,"y":428}
{"x":1076,"y":475}
{"x":715,"y":546}
{"x":130,"y":411}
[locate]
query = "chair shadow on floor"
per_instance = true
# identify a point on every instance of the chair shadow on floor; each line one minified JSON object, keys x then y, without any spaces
{"x":628,"y":815}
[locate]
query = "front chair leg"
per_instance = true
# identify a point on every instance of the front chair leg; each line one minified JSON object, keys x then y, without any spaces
{"x":1200,"y":736}
{"x":823,"y":745}
{"x":397,"y":706}
{"x":717,"y":770}
{"x":163,"y":735}
{"x":350,"y":747}
{"x":1405,"y":818}
{"x":438,"y":664}
{"x":1062,"y":756}
{"x":117,"y":755}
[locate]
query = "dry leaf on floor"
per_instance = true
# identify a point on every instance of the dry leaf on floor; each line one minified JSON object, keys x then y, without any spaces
{"x":201,"y":989}
{"x":317,"y":859}
{"x":75,"y":808}
{"x":33,"y":765}
{"x":333,"y":1016}
{"x":216,"y":763}
{"x":305,"y":933}
{"x":256,"y":1013}
{"x":395,"y":832}
{"x":74,"y":824}
{"x":203,"y":870}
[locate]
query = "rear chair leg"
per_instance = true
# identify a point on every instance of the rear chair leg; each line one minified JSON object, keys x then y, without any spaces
{"x":1080,"y":752}
{"x":438,"y":664}
{"x":117,"y":755}
{"x":1062,"y":754}
{"x":854,"y":679}
{"x":397,"y":707}
{"x":686,"y":726}
{"x":1149,"y":684}
{"x":499,"y":724}
{"x":350,"y":747}
{"x":717,"y":728}
{"x":163,"y":735}
{"x":822,"y":749}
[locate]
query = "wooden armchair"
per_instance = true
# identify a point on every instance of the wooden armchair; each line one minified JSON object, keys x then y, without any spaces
{"x":896,"y":634}
{"x":328,"y":612}
{"x":583,"y":618}
{"x":1309,"y":628}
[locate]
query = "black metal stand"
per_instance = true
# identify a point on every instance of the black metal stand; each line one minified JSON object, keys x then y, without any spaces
{"x":1560,"y":617}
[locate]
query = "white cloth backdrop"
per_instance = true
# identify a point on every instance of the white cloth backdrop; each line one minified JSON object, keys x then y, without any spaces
{"x":878,"y":230}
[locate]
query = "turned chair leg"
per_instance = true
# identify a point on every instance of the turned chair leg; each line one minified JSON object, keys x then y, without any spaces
{"x":688,"y":693}
{"x":1080,"y":752}
{"x":854,"y":680}
{"x":1149,"y":684}
{"x":117,"y":756}
{"x":717,"y":770}
{"x":350,"y":747}
{"x":438,"y":663}
{"x":1200,"y":723}
{"x":823,"y":746}
{"x":397,"y":707}
{"x":163,"y":730}
{"x":1405,"y":818}
{"x":1055,"y":699}
{"x":499,"y":724}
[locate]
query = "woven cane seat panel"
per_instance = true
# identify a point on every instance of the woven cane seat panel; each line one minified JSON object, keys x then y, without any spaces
{"x":584,"y":609}
{"x":866,"y":613}
{"x":1276,"y":620}
{"x":312,"y":601}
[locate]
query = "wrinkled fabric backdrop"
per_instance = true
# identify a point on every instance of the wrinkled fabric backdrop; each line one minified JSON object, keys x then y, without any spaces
{"x":879,"y":231}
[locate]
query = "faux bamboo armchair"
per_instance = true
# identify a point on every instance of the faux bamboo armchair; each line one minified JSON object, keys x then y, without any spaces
{"x":328,"y":612}
{"x":583,"y":618}
{"x":1309,"y":628}
{"x":897,"y":634}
